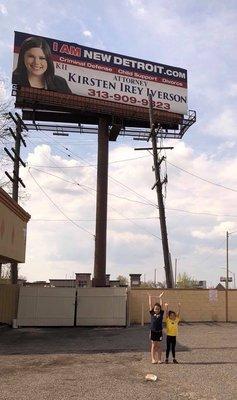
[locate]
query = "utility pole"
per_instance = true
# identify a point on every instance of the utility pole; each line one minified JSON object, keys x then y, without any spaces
{"x":155,"y":277}
{"x":175,"y":273}
{"x":16,"y":179}
{"x":158,"y":185}
{"x":227,"y":277}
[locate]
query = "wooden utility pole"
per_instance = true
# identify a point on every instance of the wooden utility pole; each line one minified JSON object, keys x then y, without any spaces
{"x":101,"y":204}
{"x":16,"y":179}
{"x":175,"y":274}
{"x":227,"y":278}
{"x":158,"y":185}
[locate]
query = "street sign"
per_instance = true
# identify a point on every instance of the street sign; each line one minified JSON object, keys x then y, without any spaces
{"x":223,"y":279}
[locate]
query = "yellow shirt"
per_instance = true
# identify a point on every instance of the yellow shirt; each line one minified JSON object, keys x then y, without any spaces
{"x":172,"y":326}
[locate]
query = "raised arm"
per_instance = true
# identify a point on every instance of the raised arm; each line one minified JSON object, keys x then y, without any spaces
{"x":160,"y":299}
{"x":178,"y":313}
{"x":150,"y":302}
{"x":166,"y":310}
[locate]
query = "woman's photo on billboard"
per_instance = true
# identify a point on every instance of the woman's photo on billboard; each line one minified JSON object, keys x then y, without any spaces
{"x":35,"y":67}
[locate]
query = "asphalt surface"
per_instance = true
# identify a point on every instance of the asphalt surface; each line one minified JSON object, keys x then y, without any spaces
{"x":111,"y":363}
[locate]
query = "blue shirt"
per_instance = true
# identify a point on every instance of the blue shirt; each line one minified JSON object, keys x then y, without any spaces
{"x":156,"y":321}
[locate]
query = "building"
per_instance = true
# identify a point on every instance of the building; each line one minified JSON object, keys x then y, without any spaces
{"x":13,"y":226}
{"x":62,"y":282}
{"x":220,"y":287}
{"x":107,"y":279}
{"x":201,"y":284}
{"x":135,"y":280}
{"x":114,"y":283}
{"x":83,"y":280}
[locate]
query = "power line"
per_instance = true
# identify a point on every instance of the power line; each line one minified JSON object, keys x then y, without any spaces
{"x":113,"y":179}
{"x":58,"y":208}
{"x":212,"y":254}
{"x":89,"y":165}
{"x":90,"y":188}
{"x":135,"y":201}
{"x":201,"y":213}
{"x":128,"y":219}
{"x":202,"y":179}
{"x":148,"y":202}
{"x":92,"y":220}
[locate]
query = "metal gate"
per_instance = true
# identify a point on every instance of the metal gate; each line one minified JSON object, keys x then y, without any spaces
{"x":39,"y":306}
{"x":101,"y":306}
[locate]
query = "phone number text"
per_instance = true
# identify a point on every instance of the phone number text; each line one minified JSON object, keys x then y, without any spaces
{"x":127,"y":99}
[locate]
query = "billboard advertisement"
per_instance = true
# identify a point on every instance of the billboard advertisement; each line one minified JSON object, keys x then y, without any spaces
{"x":71,"y":68}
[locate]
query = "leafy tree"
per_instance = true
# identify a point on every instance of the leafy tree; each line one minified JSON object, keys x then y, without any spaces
{"x":185,"y":281}
{"x":148,"y":284}
{"x":122,"y":280}
{"x":6,"y":105}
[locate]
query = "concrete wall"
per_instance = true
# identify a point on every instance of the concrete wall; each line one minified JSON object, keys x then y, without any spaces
{"x":196,"y":305}
{"x":9,"y":295}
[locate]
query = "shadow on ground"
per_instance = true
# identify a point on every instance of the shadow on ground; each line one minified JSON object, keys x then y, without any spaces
{"x":76,"y":340}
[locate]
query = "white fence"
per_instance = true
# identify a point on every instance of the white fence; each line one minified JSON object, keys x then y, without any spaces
{"x":101,"y":307}
{"x":51,"y":306}
{"x":46,"y":306}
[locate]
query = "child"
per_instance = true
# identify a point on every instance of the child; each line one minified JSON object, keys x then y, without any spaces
{"x":172,"y":320}
{"x":156,"y":335}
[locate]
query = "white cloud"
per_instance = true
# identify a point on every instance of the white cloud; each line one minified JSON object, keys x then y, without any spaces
{"x":3,"y":9}
{"x":87,"y":33}
{"x":233,"y":90}
{"x":65,"y":249}
{"x":223,"y":125}
{"x":217,"y":231}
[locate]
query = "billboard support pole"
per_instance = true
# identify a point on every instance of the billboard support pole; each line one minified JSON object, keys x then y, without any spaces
{"x":158,"y":185}
{"x":101,"y":204}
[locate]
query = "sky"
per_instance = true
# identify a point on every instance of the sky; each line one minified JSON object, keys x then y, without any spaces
{"x":201,"y":194}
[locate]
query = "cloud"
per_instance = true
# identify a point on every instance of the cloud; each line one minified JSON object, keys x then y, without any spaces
{"x":131,"y":240}
{"x":193,"y":35}
{"x":217,"y":231}
{"x":224,"y":124}
{"x":3,"y":9}
{"x":87,"y":33}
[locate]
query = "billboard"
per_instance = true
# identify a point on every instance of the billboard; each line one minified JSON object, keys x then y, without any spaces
{"x":70,"y":68}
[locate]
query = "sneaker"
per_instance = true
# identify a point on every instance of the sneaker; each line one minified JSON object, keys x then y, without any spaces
{"x":159,"y":362}
{"x":175,"y":361}
{"x":166,"y":361}
{"x":154,"y":362}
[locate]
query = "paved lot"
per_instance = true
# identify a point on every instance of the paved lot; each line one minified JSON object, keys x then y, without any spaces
{"x":107,"y":364}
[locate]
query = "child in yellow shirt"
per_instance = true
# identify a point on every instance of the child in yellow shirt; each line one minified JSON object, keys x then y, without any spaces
{"x":172,"y":320}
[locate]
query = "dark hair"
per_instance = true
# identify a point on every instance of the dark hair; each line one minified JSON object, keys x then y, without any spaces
{"x":21,"y":70}
{"x":157,"y":304}
{"x":171,"y":312}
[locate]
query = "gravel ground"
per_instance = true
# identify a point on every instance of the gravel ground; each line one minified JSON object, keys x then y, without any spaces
{"x":111,"y":363}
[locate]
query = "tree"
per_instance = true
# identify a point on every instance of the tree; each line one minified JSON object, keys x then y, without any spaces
{"x":5,"y":275}
{"x":148,"y":284}
{"x":185,"y":281}
{"x":122,"y":280}
{"x":6,"y":105}
{"x":151,"y":284}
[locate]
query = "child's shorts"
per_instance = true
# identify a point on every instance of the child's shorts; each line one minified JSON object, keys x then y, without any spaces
{"x":156,"y":336}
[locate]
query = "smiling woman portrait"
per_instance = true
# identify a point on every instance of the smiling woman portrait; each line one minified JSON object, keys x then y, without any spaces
{"x":35,"y":67}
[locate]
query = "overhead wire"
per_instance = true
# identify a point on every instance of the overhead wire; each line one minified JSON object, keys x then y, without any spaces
{"x":202,"y":179}
{"x":115,"y":209}
{"x":58,"y":208}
